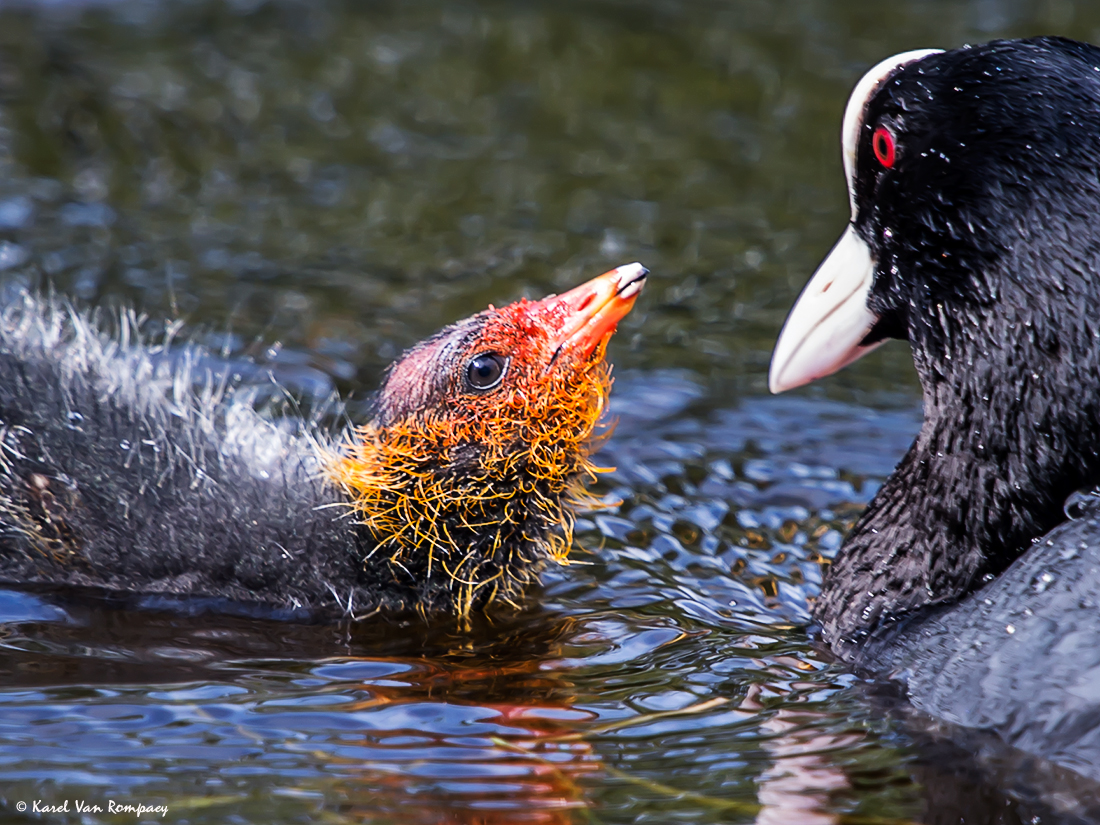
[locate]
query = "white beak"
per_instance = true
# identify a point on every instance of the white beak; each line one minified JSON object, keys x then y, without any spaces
{"x":830,"y":319}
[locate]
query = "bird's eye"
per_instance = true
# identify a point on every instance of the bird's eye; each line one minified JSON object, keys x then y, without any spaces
{"x":486,"y":371}
{"x":884,"y":146}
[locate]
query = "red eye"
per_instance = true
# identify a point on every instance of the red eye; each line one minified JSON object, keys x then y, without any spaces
{"x":885,"y":149}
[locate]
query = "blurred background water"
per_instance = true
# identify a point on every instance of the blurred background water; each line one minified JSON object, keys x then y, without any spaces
{"x":315,"y":186}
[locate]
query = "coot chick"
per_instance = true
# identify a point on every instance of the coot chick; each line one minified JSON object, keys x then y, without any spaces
{"x":974,"y":180}
{"x":116,"y":473}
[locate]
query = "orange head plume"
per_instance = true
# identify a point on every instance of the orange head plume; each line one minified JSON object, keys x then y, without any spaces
{"x":479,"y":442}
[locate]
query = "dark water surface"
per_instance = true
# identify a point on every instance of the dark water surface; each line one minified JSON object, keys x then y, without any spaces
{"x":316,"y":186}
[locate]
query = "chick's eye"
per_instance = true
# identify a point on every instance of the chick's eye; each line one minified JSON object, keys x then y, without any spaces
{"x":486,"y":371}
{"x":884,"y":146}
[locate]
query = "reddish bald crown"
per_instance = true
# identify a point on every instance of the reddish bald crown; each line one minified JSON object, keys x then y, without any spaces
{"x":540,"y":340}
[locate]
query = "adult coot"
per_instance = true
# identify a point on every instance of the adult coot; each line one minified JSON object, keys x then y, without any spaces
{"x":117,"y":473}
{"x":974,"y":179}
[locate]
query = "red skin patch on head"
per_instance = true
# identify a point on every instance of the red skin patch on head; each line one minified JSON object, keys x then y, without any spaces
{"x":407,"y":376}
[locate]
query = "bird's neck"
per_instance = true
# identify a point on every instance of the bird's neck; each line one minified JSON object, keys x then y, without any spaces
{"x":1002,"y":446}
{"x":468,"y":510}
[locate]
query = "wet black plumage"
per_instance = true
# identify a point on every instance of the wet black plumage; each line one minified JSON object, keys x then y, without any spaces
{"x":990,"y":223}
{"x":964,"y":578}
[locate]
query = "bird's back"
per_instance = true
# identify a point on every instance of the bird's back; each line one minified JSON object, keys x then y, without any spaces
{"x":1020,"y":656}
{"x":144,"y":469}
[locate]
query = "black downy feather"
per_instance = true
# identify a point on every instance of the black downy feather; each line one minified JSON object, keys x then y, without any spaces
{"x":124,"y":469}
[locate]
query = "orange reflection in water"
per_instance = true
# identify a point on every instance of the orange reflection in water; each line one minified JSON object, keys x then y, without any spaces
{"x":521,"y":761}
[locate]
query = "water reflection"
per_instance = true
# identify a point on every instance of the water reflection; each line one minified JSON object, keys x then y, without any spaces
{"x":426,"y":724}
{"x":417,"y":723}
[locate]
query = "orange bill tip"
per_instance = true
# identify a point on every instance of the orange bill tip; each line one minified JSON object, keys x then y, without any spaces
{"x":586,"y":315}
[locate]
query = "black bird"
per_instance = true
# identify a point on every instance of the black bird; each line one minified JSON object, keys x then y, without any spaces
{"x":117,"y":474}
{"x":974,"y":179}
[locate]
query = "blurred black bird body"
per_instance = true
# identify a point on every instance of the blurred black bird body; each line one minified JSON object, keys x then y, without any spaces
{"x":974,"y":178}
{"x":125,"y":471}
{"x":136,"y":469}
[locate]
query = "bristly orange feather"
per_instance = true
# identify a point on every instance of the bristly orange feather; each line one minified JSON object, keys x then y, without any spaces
{"x":533,"y":462}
